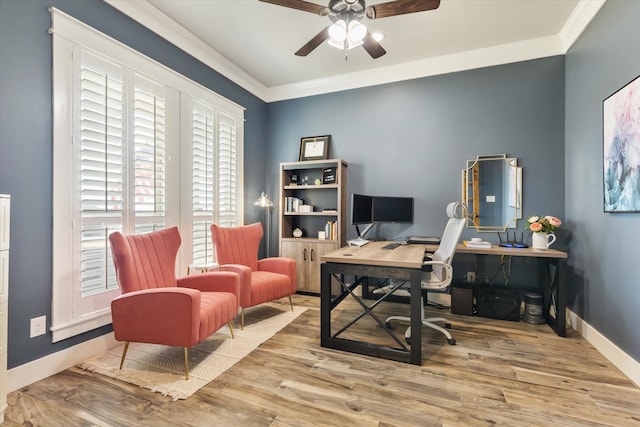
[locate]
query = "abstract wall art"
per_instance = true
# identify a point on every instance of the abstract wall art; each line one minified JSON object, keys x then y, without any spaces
{"x":621,"y":149}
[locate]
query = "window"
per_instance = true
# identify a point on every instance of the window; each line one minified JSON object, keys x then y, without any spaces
{"x":214,"y":166}
{"x":128,"y":133}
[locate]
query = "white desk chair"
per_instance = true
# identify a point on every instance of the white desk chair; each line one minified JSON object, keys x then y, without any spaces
{"x":441,"y":275}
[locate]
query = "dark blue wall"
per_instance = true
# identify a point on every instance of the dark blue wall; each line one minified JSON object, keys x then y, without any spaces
{"x":604,"y":249}
{"x":413,"y":138}
{"x":26,"y":146}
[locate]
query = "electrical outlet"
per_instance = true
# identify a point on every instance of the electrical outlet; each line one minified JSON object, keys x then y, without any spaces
{"x":471,"y":277}
{"x":38,"y":325}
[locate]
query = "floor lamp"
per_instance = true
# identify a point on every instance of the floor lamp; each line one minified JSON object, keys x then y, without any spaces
{"x":265,"y":202}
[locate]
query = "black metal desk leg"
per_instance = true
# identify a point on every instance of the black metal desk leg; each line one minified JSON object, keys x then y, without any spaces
{"x":552,"y":276}
{"x":416,"y":318}
{"x":325,"y":305}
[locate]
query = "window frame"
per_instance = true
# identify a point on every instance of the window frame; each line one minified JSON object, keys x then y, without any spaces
{"x":69,"y":35}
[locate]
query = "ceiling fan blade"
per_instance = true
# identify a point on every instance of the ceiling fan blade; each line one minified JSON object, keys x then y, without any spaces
{"x":302,"y":5}
{"x":316,"y":41}
{"x":372,"y":46}
{"x":400,"y":7}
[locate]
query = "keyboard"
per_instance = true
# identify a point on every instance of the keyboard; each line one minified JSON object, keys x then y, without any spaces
{"x":423,"y":240}
{"x":391,"y":245}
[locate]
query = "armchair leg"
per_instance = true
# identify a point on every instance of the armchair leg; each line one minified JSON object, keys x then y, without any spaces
{"x":242,"y":319}
{"x":124,"y":353}
{"x":290,"y":302}
{"x":186,"y":363}
{"x":231,"y":329}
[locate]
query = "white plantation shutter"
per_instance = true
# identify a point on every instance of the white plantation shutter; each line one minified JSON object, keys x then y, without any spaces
{"x":150,"y":156}
{"x":109,"y":188}
{"x":203,"y":182}
{"x":215,"y":176}
{"x":101,"y":131}
{"x":228,"y":171}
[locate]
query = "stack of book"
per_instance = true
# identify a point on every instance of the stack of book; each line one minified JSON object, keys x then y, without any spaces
{"x":293,"y":204}
{"x":331,"y":230}
{"x":478,"y":244}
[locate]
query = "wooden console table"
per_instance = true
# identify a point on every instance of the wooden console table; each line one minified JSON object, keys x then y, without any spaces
{"x":552,"y":266}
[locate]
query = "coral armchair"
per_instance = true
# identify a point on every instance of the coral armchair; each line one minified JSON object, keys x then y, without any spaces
{"x":157,"y":308}
{"x":262,"y":280}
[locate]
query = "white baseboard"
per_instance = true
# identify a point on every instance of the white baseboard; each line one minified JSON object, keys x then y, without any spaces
{"x":624,"y":362}
{"x":39,"y":369}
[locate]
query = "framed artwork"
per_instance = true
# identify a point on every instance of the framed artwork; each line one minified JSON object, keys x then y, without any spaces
{"x":621,"y":148}
{"x":314,"y":147}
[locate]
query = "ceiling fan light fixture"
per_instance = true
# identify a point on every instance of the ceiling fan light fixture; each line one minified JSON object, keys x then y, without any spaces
{"x":356,"y":32}
{"x":338,"y":31}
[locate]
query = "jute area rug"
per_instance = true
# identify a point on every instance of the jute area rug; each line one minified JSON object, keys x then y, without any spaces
{"x":161,"y":368}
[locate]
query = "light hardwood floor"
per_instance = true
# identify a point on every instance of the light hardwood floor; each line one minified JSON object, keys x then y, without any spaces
{"x":499,"y":373}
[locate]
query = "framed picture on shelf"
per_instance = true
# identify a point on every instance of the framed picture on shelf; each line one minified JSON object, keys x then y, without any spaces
{"x":620,"y":148}
{"x":314,"y":147}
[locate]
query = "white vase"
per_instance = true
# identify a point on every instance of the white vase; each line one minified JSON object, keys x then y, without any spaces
{"x":542,"y":240}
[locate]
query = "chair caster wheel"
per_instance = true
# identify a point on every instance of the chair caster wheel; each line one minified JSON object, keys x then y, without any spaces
{"x":447,"y":325}
{"x":451,"y":341}
{"x":387,"y":324}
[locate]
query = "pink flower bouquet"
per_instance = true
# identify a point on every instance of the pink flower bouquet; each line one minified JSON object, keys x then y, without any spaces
{"x":542,"y":224}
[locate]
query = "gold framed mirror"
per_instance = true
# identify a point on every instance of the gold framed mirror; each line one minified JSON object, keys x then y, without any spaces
{"x":492,"y":191}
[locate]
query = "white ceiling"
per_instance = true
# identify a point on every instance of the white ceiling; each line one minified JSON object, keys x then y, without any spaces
{"x":253,"y":43}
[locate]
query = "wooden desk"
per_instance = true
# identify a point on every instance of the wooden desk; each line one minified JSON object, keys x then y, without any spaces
{"x":404,"y":262}
{"x":552,"y":265}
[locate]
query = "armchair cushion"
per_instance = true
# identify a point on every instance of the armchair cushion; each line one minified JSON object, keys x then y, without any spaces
{"x":268,"y":286}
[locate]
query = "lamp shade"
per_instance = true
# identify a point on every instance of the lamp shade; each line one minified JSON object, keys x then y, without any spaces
{"x":357,"y":31}
{"x":263,"y":201}
{"x":338,"y":31}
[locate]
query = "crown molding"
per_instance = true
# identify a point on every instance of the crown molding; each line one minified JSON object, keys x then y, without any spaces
{"x":581,"y":16}
{"x":480,"y":58}
{"x":145,"y":14}
{"x":148,"y":16}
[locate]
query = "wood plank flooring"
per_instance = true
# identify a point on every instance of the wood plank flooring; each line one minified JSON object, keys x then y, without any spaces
{"x":500,"y":373}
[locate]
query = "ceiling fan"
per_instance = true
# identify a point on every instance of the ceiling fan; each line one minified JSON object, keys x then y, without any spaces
{"x":347,"y":30}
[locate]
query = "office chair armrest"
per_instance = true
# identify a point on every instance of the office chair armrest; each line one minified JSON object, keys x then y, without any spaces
{"x":446,"y":280}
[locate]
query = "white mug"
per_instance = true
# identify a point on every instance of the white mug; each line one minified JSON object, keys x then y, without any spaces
{"x":542,"y":240}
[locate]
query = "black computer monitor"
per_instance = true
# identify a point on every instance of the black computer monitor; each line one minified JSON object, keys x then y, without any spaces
{"x":392,"y":209}
{"x":361,"y":209}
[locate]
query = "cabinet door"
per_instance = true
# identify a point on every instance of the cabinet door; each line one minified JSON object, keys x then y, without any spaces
{"x":316,"y":250}
{"x":299,"y":252}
